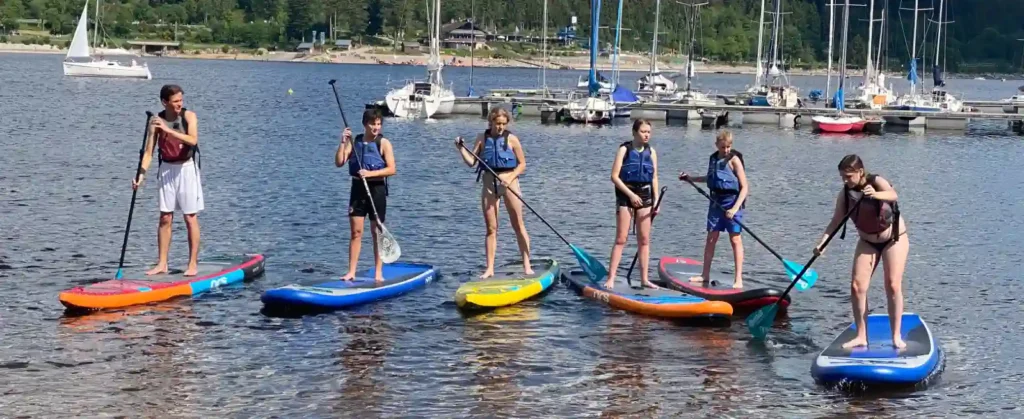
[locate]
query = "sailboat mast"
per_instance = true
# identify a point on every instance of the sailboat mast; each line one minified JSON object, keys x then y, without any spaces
{"x":831,"y":36}
{"x":846,"y":30}
{"x":654,"y":45}
{"x":544,"y":71}
{"x":472,"y":48}
{"x":693,"y":39}
{"x":913,"y":53}
{"x":595,"y":23}
{"x":775,"y":33}
{"x":868,"y":69}
{"x":760,"y":39}
{"x":938,"y":33}
{"x":618,"y":33}
{"x":96,"y":25}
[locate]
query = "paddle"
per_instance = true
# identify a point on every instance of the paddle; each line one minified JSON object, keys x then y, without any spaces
{"x":131,"y":209}
{"x":792,"y":268}
{"x":635,"y":255}
{"x":386,"y":243}
{"x":760,"y":321}
{"x":594,"y":269}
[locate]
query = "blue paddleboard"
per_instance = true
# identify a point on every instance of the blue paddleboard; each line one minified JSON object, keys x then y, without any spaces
{"x":879,"y":363}
{"x":399,"y":278}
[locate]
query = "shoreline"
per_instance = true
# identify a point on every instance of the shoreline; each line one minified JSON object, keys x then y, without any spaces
{"x":367,"y":56}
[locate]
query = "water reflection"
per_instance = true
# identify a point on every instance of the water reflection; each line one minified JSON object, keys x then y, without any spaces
{"x":370,"y":339}
{"x":499,"y":341}
{"x":625,"y":366}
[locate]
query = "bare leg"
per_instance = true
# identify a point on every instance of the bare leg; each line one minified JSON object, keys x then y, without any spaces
{"x":192,"y":224}
{"x":489,"y":206}
{"x":515,"y":216}
{"x":378,"y":276}
{"x":622,"y":216}
{"x":163,"y":243}
{"x":355,"y":245}
{"x":863,"y":267}
{"x":737,"y":254}
{"x":894,"y":262}
{"x":643,"y":244}
{"x":709,"y":254}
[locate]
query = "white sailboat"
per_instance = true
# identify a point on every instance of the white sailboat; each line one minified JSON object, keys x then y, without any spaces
{"x":654,"y":82}
{"x":592,"y":108}
{"x":690,"y":96}
{"x":97,"y":67}
{"x":873,"y":93}
{"x":425,"y":98}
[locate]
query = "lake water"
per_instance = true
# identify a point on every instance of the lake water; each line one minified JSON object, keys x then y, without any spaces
{"x":69,"y":149}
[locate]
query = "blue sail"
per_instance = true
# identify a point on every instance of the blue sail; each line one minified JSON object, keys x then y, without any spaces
{"x":912,"y":76}
{"x":623,"y":95}
{"x":839,"y":100}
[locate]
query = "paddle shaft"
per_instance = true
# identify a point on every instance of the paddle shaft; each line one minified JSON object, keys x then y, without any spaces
{"x":485,"y":166}
{"x":359,"y":161}
{"x":751,"y":233}
{"x":135,"y":191}
{"x":637,"y":254}
{"x":813,"y":258}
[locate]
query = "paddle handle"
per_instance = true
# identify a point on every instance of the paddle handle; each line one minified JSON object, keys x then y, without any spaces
{"x":135,"y":191}
{"x":751,"y":233}
{"x":338,"y":99}
{"x":657,"y":205}
{"x":485,"y":166}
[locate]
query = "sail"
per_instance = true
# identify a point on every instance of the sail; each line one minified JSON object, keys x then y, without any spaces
{"x":937,"y":76}
{"x":839,"y":100}
{"x":912,"y":76}
{"x":80,"y":42}
{"x":623,"y":95}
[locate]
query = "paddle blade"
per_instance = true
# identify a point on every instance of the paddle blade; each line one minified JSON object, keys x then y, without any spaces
{"x":387,"y":245}
{"x":594,"y":269}
{"x":807,"y":281}
{"x":119,"y":274}
{"x":760,"y":321}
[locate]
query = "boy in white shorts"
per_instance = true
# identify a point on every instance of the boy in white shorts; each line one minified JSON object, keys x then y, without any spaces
{"x":174,"y":133}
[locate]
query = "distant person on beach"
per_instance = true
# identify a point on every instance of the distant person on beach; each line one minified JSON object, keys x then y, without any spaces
{"x":727,"y":183}
{"x":174,"y":134}
{"x":635,"y":177}
{"x":371,"y":157}
{"x":500,"y":150}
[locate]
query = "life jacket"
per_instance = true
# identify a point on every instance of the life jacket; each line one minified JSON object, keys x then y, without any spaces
{"x":637,"y":166}
{"x":872,"y":216}
{"x":366,"y":155}
{"x":171,"y":149}
{"x":722,"y":181}
{"x":498,"y":157}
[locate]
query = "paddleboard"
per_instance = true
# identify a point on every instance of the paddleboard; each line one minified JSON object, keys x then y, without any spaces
{"x":659,"y":303}
{"x":508,"y":286}
{"x":879,"y":363}
{"x":399,"y":278}
{"x":130,"y":291}
{"x":675,"y":273}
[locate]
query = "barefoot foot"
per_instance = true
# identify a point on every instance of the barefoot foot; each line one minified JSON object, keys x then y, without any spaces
{"x":650,"y":285}
{"x":378,"y":280}
{"x":158,"y":269}
{"x":192,"y":270}
{"x":737,"y":284}
{"x":489,"y":273}
{"x":697,"y":278}
{"x":855,"y":342}
{"x":349,"y":276}
{"x":528,"y":270}
{"x":897,"y":342}
{"x":610,"y":283}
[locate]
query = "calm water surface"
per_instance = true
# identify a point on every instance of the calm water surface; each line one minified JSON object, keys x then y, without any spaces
{"x":68,"y":152}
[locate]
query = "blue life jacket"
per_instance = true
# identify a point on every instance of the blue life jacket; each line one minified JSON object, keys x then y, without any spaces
{"x":498,"y":157}
{"x":722,"y":181}
{"x":637,"y":166}
{"x":369,"y":155}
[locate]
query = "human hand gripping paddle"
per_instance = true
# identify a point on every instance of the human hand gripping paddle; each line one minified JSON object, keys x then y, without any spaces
{"x":594,"y":269}
{"x":657,"y":205}
{"x":386,"y":243}
{"x":135,"y":190}
{"x":760,"y":321}
{"x":792,"y":268}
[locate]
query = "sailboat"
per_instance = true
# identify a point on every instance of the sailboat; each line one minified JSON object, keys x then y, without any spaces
{"x":592,"y":108}
{"x":873,"y":93}
{"x":945,"y":100}
{"x":690,"y":96}
{"x":777,"y":93}
{"x":654,"y":82}
{"x":96,"y":67}
{"x":841,"y":122}
{"x":425,"y":98}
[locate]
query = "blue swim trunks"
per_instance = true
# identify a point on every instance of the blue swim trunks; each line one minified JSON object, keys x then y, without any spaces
{"x":717,"y":221}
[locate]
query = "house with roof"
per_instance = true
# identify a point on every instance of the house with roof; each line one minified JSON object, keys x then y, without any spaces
{"x":343,"y":44}
{"x":464,"y":34}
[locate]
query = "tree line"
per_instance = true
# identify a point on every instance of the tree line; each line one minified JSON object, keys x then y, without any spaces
{"x":983,"y":33}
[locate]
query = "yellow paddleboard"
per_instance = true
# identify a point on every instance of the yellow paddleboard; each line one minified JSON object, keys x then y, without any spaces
{"x":508,"y":286}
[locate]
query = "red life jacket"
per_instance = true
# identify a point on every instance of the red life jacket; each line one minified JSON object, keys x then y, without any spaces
{"x":173,"y":150}
{"x":872,"y":216}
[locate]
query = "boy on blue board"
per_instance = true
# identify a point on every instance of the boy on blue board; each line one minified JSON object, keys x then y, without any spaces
{"x":727,"y":182}
{"x":369,"y":156}
{"x":635,"y":177}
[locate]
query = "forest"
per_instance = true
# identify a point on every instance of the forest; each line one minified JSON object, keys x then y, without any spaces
{"x":981,"y":36}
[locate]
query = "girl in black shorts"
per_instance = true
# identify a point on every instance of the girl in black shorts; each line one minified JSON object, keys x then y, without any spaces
{"x":635,"y":176}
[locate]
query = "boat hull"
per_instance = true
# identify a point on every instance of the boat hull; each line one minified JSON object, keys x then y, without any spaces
{"x":106,"y":69}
